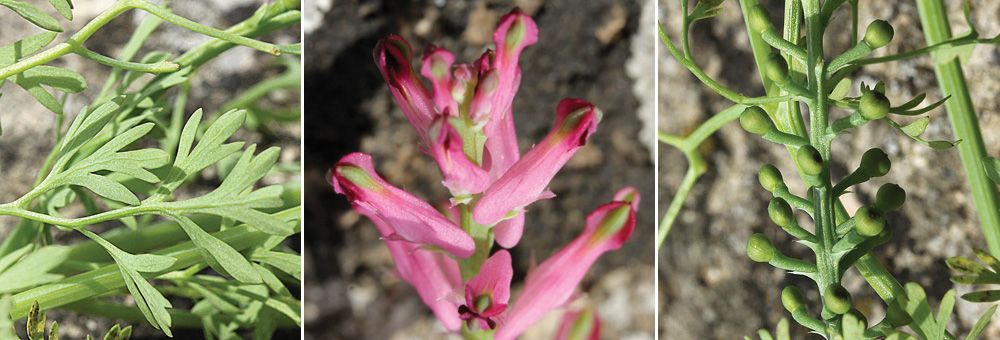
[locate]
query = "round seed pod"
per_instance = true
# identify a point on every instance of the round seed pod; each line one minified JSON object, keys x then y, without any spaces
{"x":810,"y":160}
{"x":792,"y":299}
{"x":760,"y":248}
{"x":780,"y":212}
{"x":873,"y":105}
{"x":889,"y":197}
{"x":770,"y":177}
{"x":760,"y":19}
{"x":878,"y":34}
{"x":875,"y":163}
{"x":837,"y":299}
{"x":755,"y":120}
{"x":776,"y":68}
{"x":868,"y":222}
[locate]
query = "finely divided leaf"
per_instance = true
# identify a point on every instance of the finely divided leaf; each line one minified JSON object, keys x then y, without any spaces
{"x":32,"y":14}
{"x":221,"y":256}
{"x":65,"y":8}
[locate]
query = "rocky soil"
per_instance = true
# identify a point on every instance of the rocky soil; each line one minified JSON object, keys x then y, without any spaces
{"x":709,"y":289}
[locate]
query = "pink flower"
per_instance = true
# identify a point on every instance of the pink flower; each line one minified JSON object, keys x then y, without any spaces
{"x":487,"y":293}
{"x":461,"y":176}
{"x":527,"y":179}
{"x":433,"y":274}
{"x":580,"y":325}
{"x":552,"y":283}
{"x":410,"y":218}
{"x":393,"y":56}
{"x":437,"y":68}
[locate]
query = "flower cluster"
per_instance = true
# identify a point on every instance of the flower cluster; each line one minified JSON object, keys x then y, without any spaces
{"x":466,"y":125}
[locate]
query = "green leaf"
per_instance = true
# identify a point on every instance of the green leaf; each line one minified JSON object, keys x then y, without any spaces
{"x":987,"y":259}
{"x":288,"y":263}
{"x":32,"y":14}
{"x":271,"y":281}
{"x":103,"y":187}
{"x":58,"y":78}
{"x":965,"y":265}
{"x":65,"y":8}
{"x":221,"y":256}
{"x":912,"y":103}
{"x":149,"y":300}
{"x":34,"y":269}
{"x":841,"y":90}
{"x":6,"y":324}
{"x":54,"y":331}
{"x":992,"y":167}
{"x":916,"y":128}
{"x":216,"y":301}
{"x":12,"y":53}
{"x":944,"y":313}
{"x":705,"y":9}
{"x":981,"y":324}
{"x":905,"y":109}
{"x":852,"y":327}
{"x":87,"y":125}
{"x":36,"y":323}
{"x":932,"y":144}
{"x":982,"y":296}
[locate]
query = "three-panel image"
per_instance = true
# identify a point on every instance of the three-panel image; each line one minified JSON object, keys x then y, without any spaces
{"x":499,"y":169}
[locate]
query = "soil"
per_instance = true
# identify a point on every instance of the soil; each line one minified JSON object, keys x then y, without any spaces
{"x":585,"y":50}
{"x":28,"y":128}
{"x":708,"y":287}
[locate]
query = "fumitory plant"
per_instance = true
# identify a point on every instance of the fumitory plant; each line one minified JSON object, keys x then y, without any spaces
{"x":137,"y":187}
{"x":465,"y":124}
{"x":807,"y":107}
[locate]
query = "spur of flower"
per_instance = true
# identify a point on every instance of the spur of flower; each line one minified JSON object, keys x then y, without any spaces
{"x":466,"y":125}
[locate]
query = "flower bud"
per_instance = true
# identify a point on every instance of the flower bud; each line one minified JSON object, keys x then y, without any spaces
{"x":879,"y":34}
{"x":868,"y":222}
{"x":776,"y":68}
{"x":837,"y":299}
{"x":809,"y":160}
{"x":755,"y":120}
{"x":760,"y":19}
{"x":873,"y":105}
{"x":759,"y":248}
{"x":792,"y":299}
{"x":889,"y":197}
{"x":780,"y":212}
{"x":770,"y":177}
{"x":875,"y":163}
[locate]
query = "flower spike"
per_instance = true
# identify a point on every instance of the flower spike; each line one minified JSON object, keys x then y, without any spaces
{"x":411,"y":218}
{"x":393,"y":56}
{"x":487,"y":293}
{"x":551,"y":284}
{"x":526,"y":180}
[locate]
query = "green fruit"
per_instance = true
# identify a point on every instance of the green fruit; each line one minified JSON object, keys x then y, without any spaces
{"x":780,"y":212}
{"x":873,"y":105}
{"x":875,"y":163}
{"x":760,"y":19}
{"x":776,"y":68}
{"x":809,"y":160}
{"x":792,"y":299}
{"x":760,"y":248}
{"x":770,"y":177}
{"x":889,"y":197}
{"x":837,"y":299}
{"x":879,"y":34}
{"x":755,"y":120}
{"x":868,"y":222}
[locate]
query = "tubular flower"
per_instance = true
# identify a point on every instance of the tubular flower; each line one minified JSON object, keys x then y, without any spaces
{"x":551,"y":284}
{"x":580,"y":325}
{"x":527,"y":179}
{"x":432,"y":273}
{"x":393,"y":56}
{"x":487,"y":293}
{"x":410,"y":218}
{"x":461,"y":176}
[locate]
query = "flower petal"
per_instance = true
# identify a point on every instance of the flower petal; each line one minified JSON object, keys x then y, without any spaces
{"x":393,"y":56}
{"x":461,"y":176}
{"x":410,"y":217}
{"x":526,"y":180}
{"x":434,"y":275}
{"x":552,"y":283}
{"x":437,"y":68}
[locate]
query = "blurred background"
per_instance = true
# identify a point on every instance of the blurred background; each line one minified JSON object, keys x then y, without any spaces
{"x":600,"y":51}
{"x":28,"y":127}
{"x":708,"y":287}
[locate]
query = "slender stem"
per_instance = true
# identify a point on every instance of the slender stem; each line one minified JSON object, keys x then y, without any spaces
{"x":696,"y":167}
{"x":964,"y":122}
{"x":158,"y":67}
{"x":943,"y":45}
{"x":483,"y":238}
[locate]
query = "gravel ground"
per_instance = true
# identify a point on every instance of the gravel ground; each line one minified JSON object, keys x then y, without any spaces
{"x":709,"y":289}
{"x":28,"y":127}
{"x":585,"y":50}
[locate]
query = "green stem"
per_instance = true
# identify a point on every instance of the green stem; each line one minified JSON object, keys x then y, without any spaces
{"x":696,"y":167}
{"x":158,"y":67}
{"x":964,"y":122}
{"x":483,"y":238}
